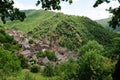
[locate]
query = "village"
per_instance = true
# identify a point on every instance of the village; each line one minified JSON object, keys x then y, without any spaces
{"x":30,"y":48}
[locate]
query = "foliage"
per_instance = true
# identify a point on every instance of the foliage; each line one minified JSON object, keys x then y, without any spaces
{"x":113,"y":50}
{"x":24,"y":61}
{"x":7,"y":11}
{"x":2,"y":30}
{"x":41,"y":54}
{"x":49,"y":70}
{"x":7,"y":41}
{"x":48,"y":5}
{"x":31,"y":41}
{"x":35,"y":68}
{"x":2,"y":38}
{"x":7,"y":38}
{"x":70,"y":31}
{"x":93,"y":66}
{"x":51,"y":55}
{"x":115,"y":11}
{"x":117,"y":70}
{"x":67,"y":70}
{"x":28,"y":76}
{"x":47,"y":53}
{"x":9,"y":62}
{"x":91,"y":45}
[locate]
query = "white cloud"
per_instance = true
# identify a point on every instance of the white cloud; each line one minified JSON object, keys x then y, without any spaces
{"x":79,"y":7}
{"x":76,"y":0}
{"x":25,"y":7}
{"x":96,"y":15}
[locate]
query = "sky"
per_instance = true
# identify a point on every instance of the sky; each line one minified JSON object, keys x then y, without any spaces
{"x":78,"y":7}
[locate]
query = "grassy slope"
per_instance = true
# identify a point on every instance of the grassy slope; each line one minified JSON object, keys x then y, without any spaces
{"x":34,"y":18}
{"x":70,"y":30}
{"x":26,"y":75}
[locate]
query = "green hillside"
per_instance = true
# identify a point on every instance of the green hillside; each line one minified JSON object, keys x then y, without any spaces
{"x":104,"y":22}
{"x":95,"y":47}
{"x":70,"y":31}
{"x":34,"y":18}
{"x":7,"y":42}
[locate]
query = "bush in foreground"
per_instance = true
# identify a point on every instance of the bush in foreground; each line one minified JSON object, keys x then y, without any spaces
{"x":35,"y":68}
{"x":49,"y":70}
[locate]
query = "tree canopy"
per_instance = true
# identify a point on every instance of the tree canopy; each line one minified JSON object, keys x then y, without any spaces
{"x":7,"y":11}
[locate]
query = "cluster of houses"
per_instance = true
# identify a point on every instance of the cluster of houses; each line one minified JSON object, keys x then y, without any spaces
{"x":29,"y":50}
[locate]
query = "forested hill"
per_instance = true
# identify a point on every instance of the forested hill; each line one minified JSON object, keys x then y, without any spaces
{"x":105,"y":24}
{"x":70,"y":31}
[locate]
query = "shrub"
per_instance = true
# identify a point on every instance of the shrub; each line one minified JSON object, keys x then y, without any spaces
{"x":41,"y":54}
{"x":24,"y":61}
{"x":35,"y":68}
{"x":9,"y":63}
{"x":51,"y":55}
{"x":30,"y":41}
{"x":2,"y":38}
{"x":7,"y":46}
{"x":67,"y":70}
{"x":49,"y":70}
{"x":2,"y":31}
{"x":9,"y":39}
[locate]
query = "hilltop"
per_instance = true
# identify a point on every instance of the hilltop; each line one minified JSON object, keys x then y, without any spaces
{"x":70,"y":31}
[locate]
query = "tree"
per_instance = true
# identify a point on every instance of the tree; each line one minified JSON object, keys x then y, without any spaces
{"x":7,"y":11}
{"x":116,"y":74}
{"x":51,"y":4}
{"x":116,"y":13}
{"x":9,"y":63}
{"x":67,"y":70}
{"x":93,"y":66}
{"x":24,"y":61}
{"x":91,"y":45}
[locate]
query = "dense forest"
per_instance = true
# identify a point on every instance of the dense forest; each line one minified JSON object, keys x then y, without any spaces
{"x":97,"y":48}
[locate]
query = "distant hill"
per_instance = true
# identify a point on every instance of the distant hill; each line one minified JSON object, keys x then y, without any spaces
{"x":105,"y":24}
{"x":70,"y":31}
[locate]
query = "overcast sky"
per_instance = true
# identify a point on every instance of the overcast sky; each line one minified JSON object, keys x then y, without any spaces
{"x":78,"y":7}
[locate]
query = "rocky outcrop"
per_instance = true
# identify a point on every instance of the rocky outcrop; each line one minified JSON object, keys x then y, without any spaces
{"x":29,"y":50}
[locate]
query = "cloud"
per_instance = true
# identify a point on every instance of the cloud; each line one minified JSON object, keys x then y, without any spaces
{"x":94,"y":15}
{"x":79,"y":7}
{"x":24,"y":6}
